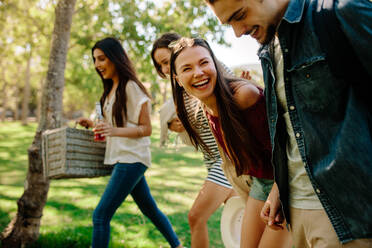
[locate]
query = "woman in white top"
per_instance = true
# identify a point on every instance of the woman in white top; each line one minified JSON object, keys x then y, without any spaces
{"x":127,"y":127}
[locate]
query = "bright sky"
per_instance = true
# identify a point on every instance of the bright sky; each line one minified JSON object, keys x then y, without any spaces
{"x":243,"y":50}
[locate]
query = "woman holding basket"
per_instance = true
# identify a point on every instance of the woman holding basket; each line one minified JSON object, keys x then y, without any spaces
{"x":126,"y":127}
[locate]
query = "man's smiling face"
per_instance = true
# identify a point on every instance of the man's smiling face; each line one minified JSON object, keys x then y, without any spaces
{"x":257,"y":18}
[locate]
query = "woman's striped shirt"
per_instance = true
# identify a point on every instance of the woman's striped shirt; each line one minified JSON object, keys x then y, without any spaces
{"x":212,"y":161}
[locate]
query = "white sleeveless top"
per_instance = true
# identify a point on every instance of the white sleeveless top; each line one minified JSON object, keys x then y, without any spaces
{"x":123,"y":149}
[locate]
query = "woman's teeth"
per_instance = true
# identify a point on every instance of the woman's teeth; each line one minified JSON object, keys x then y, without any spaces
{"x":253,"y":31}
{"x":201,"y":83}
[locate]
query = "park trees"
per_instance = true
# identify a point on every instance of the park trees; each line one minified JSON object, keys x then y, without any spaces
{"x":24,"y":228}
{"x":137,"y":24}
{"x":24,"y":40}
{"x":25,"y":35}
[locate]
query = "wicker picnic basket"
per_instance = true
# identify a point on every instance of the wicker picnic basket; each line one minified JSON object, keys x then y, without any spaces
{"x":73,"y":153}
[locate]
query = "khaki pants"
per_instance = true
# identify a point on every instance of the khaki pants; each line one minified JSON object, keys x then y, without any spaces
{"x":312,"y":229}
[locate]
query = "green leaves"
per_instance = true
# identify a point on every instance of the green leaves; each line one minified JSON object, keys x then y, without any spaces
{"x":136,"y":23}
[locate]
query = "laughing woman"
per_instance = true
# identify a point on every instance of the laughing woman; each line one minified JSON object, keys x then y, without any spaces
{"x":127,"y":127}
{"x":215,"y":189}
{"x":236,"y":113}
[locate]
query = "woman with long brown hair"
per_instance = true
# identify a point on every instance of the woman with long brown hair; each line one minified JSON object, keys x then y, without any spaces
{"x":216,"y":189}
{"x":127,"y":127}
{"x":236,"y":113}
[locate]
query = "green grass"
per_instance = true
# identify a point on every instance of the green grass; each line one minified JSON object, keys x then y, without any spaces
{"x":175,"y":178}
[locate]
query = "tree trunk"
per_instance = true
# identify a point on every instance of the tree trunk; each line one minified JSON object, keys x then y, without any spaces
{"x":39,"y":97}
{"x":4,"y":104}
{"x":26,"y":92}
{"x":24,"y":228}
{"x":4,"y":90}
{"x":16,"y":109}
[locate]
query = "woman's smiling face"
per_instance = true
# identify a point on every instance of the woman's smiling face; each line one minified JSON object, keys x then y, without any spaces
{"x":103,"y":65}
{"x":196,"y":72}
{"x":162,"y":57}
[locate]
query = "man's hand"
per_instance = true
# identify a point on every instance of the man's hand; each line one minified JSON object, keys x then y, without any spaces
{"x":271,"y":212}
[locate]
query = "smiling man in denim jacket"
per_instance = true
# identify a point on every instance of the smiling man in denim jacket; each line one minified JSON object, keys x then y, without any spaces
{"x":320,"y":123}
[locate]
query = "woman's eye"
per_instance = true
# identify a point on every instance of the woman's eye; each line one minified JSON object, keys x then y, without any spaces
{"x":186,"y":69}
{"x":205,"y":62}
{"x":239,"y":17}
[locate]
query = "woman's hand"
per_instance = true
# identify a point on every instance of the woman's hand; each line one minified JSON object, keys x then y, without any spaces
{"x":271,"y":212}
{"x":85,"y":122}
{"x":176,"y":125}
{"x":104,"y":129}
{"x":246,"y":75}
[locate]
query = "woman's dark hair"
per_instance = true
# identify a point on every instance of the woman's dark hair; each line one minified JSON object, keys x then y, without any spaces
{"x":162,"y":42}
{"x":115,"y":52}
{"x":242,"y":145}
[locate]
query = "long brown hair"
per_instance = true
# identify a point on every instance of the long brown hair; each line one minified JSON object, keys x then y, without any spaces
{"x":241,"y":144}
{"x":162,"y":42}
{"x":115,"y":52}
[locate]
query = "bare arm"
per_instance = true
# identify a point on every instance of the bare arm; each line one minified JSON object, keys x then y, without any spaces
{"x":142,"y":130}
{"x":245,"y":94}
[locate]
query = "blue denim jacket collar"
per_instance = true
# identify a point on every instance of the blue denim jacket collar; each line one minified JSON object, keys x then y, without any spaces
{"x":293,"y":14}
{"x":294,"y":11}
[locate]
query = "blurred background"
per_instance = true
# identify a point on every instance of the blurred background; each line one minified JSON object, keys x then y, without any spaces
{"x":25,"y":38}
{"x":177,"y":171}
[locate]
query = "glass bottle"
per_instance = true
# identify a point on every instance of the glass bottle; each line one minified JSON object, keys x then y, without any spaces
{"x":99,"y":118}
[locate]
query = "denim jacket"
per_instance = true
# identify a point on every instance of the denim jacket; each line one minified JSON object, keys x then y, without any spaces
{"x":331,"y":125}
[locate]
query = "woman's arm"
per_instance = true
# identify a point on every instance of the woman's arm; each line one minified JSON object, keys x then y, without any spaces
{"x":143,"y":129}
{"x":245,"y":94}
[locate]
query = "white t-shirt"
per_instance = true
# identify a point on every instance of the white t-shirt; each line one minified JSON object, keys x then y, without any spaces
{"x":123,"y":149}
{"x":301,"y":192}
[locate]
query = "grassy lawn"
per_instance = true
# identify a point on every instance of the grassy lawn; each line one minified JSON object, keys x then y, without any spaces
{"x":175,"y":178}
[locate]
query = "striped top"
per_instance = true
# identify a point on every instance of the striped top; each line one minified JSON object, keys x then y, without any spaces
{"x":212,"y":161}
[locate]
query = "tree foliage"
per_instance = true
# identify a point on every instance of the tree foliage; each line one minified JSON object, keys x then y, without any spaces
{"x":24,"y":227}
{"x":26,"y":26}
{"x":137,"y":24}
{"x":24,"y":35}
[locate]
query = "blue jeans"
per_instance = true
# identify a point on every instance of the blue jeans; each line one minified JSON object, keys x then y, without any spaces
{"x":128,"y":179}
{"x":260,"y":188}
